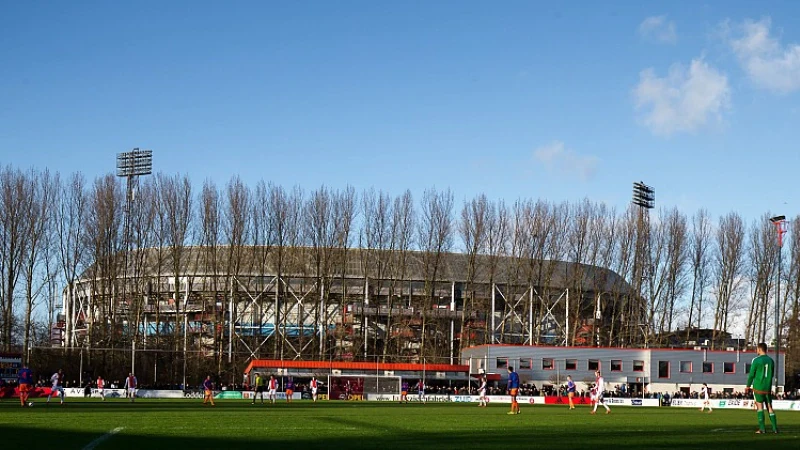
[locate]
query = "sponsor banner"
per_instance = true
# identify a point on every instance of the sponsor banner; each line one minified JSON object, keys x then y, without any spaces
{"x":733,"y":403}
{"x":786,"y":405}
{"x":107,"y":393}
{"x":228,"y":395}
{"x":160,"y":393}
{"x":551,"y":400}
{"x":249,"y":395}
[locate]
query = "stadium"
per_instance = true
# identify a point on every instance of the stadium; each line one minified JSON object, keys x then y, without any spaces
{"x":232,"y":305}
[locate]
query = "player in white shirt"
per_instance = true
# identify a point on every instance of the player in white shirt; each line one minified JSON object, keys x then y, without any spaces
{"x":314,"y":388}
{"x":482,"y":392}
{"x":600,"y":382}
{"x":272,"y":384}
{"x":101,"y":387}
{"x":130,"y":385}
{"x":706,"y":402}
{"x":57,"y":385}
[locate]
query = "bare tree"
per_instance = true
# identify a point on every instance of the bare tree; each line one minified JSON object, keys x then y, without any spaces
{"x":14,"y":196}
{"x":41,"y":191}
{"x":700,"y":249}
{"x":473,"y":230}
{"x":435,"y":234}
{"x":402,"y":240}
{"x":763,"y":259}
{"x":728,"y":264}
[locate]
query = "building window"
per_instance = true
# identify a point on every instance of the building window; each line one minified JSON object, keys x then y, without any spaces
{"x":502,"y":363}
{"x":525,"y":363}
{"x":547,"y":364}
{"x":708,"y":367}
{"x":594,"y":364}
{"x":572,"y":364}
{"x":729,"y":367}
{"x":663,"y":369}
{"x":616,"y":365}
{"x":747,"y":368}
{"x":638,"y":366}
{"x":686,"y":367}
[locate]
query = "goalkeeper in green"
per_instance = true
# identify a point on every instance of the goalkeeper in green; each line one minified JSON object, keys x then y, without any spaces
{"x":760,"y":378}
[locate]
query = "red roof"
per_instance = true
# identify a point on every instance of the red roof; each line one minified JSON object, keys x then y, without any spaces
{"x":360,"y":366}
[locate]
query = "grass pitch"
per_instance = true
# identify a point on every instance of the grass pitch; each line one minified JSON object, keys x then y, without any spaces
{"x":236,"y":424}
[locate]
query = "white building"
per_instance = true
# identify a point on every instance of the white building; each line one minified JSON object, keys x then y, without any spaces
{"x":660,"y":370}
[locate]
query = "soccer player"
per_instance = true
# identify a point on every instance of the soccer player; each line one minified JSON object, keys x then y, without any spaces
{"x":25,"y":381}
{"x":600,"y":387}
{"x":762,"y":369}
{"x":260,"y":388}
{"x":421,"y":390}
{"x":593,"y":394}
{"x":404,"y":392}
{"x":273,"y":388}
{"x":570,"y":391}
{"x":57,"y":383}
{"x":289,"y":389}
{"x":208,"y":391}
{"x":482,"y":392}
{"x":130,"y":386}
{"x":706,"y":401}
{"x":101,"y":387}
{"x":314,"y":387}
{"x":513,"y":389}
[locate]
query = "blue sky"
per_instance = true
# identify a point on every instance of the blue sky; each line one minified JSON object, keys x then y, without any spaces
{"x":513,"y":99}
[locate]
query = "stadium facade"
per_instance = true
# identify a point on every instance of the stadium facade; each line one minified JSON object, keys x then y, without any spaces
{"x":248,"y":302}
{"x":627,"y":369}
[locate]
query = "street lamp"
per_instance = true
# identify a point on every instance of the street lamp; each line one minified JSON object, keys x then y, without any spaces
{"x":779,"y":222}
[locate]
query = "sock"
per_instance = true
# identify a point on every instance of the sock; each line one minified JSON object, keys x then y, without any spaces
{"x":761,"y":419}
{"x":774,"y":421}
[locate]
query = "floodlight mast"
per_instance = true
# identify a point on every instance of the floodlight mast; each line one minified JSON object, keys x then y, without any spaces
{"x":780,"y":227}
{"x":131,"y":165}
{"x":644,"y":197}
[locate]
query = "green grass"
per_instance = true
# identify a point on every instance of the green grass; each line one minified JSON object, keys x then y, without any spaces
{"x":236,"y":424}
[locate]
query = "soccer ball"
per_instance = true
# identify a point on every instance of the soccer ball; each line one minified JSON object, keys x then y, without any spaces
{"x":30,"y":404}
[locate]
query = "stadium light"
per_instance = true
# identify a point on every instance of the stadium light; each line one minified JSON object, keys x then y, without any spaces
{"x":779,"y":222}
{"x":131,"y":165}
{"x":644,"y":196}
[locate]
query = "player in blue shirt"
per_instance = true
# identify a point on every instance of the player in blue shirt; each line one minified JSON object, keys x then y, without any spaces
{"x":25,"y":381}
{"x":208,"y":391}
{"x":404,"y":392}
{"x":513,"y":389}
{"x":570,"y":391}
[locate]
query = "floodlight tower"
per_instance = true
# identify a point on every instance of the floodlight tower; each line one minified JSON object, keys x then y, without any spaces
{"x":131,"y":165}
{"x":780,"y":227}
{"x":644,"y":197}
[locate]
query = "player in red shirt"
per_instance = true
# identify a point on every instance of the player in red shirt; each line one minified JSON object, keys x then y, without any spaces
{"x":101,"y":387}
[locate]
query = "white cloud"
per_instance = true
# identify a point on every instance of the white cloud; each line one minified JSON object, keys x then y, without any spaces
{"x":684,"y":100}
{"x":555,"y":156}
{"x":659,"y":29}
{"x":770,"y":64}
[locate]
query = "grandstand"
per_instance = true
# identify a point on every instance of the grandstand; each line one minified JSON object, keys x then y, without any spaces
{"x":290,"y":305}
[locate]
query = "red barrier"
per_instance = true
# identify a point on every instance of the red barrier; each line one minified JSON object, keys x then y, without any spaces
{"x":37,"y":392}
{"x":559,"y":400}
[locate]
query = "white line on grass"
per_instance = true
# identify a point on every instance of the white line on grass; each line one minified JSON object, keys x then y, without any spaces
{"x":102,"y":438}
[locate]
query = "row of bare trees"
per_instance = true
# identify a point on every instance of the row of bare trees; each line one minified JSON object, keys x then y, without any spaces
{"x":693,"y":271}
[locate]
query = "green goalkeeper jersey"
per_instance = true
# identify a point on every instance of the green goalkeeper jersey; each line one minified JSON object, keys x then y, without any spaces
{"x":761,"y":372}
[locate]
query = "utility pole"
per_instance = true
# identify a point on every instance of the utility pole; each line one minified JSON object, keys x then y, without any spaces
{"x":780,"y":223}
